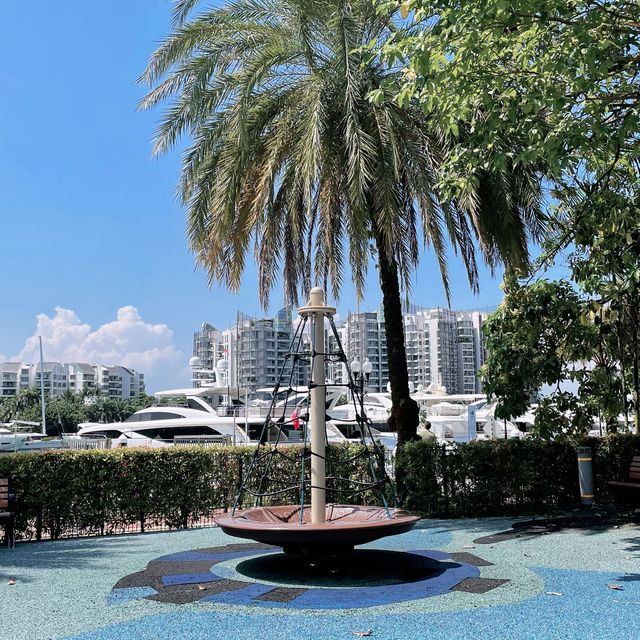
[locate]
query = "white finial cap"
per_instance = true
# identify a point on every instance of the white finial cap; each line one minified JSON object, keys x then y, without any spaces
{"x":316,"y":297}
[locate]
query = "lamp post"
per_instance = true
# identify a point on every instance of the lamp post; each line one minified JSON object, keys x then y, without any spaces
{"x":361,"y":373}
{"x":222,"y":369}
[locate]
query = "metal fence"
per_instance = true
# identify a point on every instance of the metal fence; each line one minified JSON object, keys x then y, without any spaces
{"x":39,"y":530}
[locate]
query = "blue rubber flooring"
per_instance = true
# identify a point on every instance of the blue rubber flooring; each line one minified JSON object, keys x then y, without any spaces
{"x":548,"y":586}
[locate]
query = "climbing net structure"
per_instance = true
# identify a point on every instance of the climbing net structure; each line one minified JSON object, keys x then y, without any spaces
{"x":349,"y":474}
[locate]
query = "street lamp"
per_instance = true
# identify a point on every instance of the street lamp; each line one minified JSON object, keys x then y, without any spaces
{"x":361,"y":373}
{"x":222,"y":368}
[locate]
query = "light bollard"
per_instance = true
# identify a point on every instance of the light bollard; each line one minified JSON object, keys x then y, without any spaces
{"x":585,"y":475}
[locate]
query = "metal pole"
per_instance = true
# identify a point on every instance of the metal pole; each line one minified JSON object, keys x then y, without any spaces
{"x":316,"y":310}
{"x":42,"y":400}
{"x":318,"y":426}
{"x":246,"y":412}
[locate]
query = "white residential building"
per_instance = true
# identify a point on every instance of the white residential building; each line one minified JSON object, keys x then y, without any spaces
{"x":255,"y":350}
{"x":77,"y":377}
{"x":207,"y":345}
{"x":83,"y":377}
{"x":56,"y":377}
{"x":123,"y":382}
{"x":445,"y":347}
{"x":14,"y":376}
{"x":364,"y":338}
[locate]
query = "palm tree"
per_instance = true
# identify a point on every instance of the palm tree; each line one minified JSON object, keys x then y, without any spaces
{"x":291,"y":156}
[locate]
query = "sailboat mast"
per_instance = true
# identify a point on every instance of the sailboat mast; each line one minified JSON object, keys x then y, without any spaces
{"x":42,"y":400}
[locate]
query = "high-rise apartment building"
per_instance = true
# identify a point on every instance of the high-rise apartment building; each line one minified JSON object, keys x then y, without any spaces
{"x":207,"y":347}
{"x":58,"y":377}
{"x":254,"y":350}
{"x":444,"y":348}
{"x":365,"y":339}
{"x":261,"y":346}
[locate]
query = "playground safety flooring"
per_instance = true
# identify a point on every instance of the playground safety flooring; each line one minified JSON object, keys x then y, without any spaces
{"x":444,"y":580}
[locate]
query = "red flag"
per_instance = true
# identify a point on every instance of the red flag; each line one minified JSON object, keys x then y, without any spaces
{"x":295,"y":419}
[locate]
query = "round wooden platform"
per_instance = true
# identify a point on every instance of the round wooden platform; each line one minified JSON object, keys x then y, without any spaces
{"x":345,"y":527}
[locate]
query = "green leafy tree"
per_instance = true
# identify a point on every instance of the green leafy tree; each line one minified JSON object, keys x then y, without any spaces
{"x":289,"y":155}
{"x":65,"y":412}
{"x":560,"y":76}
{"x":606,"y":265}
{"x":547,"y":333}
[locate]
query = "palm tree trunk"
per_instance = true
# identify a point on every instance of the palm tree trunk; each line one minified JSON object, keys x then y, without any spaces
{"x":405,"y":413}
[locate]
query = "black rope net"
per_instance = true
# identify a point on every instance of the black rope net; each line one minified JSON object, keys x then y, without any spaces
{"x":354,"y":475}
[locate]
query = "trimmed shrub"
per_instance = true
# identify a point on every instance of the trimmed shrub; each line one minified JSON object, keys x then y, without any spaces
{"x":489,"y":478}
{"x":63,"y":493}
{"x":612,"y":457}
{"x":99,"y":492}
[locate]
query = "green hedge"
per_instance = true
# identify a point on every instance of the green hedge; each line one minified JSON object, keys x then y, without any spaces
{"x":612,"y":457}
{"x":488,"y":478}
{"x":508,"y":477}
{"x":69,"y":492}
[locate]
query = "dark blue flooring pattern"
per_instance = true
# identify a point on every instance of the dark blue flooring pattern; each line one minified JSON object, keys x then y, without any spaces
{"x":587,"y":610}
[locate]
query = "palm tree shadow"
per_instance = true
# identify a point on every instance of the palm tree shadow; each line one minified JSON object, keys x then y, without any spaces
{"x":629,"y":577}
{"x":587,"y":524}
{"x":90,"y":553}
{"x":633,"y":544}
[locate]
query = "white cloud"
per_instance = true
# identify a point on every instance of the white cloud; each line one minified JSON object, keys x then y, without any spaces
{"x":128,"y":340}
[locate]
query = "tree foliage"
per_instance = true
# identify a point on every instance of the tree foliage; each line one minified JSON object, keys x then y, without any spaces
{"x":562,"y":79}
{"x":606,"y":265}
{"x":560,"y":76}
{"x":288,"y":152}
{"x":549,"y":333}
{"x":65,"y":412}
{"x":535,"y":338}
{"x":289,"y":155}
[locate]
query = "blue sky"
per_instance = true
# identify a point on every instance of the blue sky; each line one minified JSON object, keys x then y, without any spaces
{"x":89,"y":222}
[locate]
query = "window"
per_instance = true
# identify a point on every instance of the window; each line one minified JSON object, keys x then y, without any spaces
{"x":155,"y":415}
{"x":107,"y":433}
{"x":192,"y":404}
{"x":169,"y":433}
{"x":163,"y":415}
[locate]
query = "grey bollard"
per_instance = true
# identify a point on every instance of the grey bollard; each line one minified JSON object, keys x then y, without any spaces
{"x":585,"y":475}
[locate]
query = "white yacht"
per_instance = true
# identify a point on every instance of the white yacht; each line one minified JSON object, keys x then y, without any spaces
{"x":207,"y":415}
{"x":198,"y":413}
{"x":13,"y":440}
{"x":375,"y":406}
{"x":341,"y":426}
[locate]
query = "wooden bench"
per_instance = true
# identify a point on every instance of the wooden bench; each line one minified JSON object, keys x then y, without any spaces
{"x":7,"y":511}
{"x":631,"y":486}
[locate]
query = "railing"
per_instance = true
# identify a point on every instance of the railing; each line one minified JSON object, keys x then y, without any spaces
{"x":86,"y":443}
{"x":202,"y":441}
